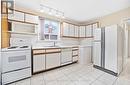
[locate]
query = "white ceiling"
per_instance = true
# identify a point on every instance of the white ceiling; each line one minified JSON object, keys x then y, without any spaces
{"x":78,"y":10}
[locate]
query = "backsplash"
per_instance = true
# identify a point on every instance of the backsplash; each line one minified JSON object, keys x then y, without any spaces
{"x":33,"y":40}
{"x":86,"y":42}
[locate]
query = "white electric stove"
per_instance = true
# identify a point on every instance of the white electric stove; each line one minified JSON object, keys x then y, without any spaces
{"x":16,"y":63}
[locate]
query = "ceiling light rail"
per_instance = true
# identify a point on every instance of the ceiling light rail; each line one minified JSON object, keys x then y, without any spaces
{"x":51,"y":11}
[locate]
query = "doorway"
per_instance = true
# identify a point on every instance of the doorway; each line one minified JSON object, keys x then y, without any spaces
{"x":126,"y":59}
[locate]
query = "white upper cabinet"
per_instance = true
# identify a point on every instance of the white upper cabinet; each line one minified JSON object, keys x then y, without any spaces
{"x":82,"y":31}
{"x":72,"y":29}
{"x":89,"y":31}
{"x":76,"y":31}
{"x":31,"y":18}
{"x":16,"y":16}
{"x":65,"y":29}
{"x":69,"y":30}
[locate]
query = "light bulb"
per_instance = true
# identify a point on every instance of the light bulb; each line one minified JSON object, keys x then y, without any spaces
{"x":63,"y":17}
{"x":42,"y":10}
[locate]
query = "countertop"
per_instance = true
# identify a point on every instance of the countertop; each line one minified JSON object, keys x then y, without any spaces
{"x":53,"y":47}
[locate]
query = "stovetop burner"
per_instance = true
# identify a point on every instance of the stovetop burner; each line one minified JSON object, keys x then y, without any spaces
{"x":16,"y":48}
{"x":24,"y":47}
{"x":13,"y":47}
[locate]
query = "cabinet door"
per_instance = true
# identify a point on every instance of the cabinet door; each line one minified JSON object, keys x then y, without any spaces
{"x":52,"y":60}
{"x":111,"y":48}
{"x":71,"y":32}
{"x":66,"y":56}
{"x":17,"y":16}
{"x":82,"y":31}
{"x":65,"y":29}
{"x":31,"y":18}
{"x":75,"y":58}
{"x":75,"y":52}
{"x":88,"y":30}
{"x":76,"y":31}
{"x":85,"y":55}
{"x":38,"y":63}
{"x":97,"y":53}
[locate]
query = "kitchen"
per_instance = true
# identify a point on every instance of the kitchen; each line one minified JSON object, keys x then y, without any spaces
{"x":43,"y":43}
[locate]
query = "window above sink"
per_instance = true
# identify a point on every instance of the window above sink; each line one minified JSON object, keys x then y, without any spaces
{"x":49,"y":30}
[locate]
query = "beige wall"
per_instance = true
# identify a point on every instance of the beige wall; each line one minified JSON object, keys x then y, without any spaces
{"x":114,"y":18}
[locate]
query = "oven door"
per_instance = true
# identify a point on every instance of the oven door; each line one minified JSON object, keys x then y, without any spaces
{"x":15,"y":60}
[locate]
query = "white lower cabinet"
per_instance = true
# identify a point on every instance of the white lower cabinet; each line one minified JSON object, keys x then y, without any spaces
{"x":52,"y":60}
{"x":75,"y":55}
{"x":85,"y":55}
{"x":38,"y":63}
{"x":15,"y":76}
{"x":75,"y":58}
{"x":75,"y":52}
{"x":66,"y":56}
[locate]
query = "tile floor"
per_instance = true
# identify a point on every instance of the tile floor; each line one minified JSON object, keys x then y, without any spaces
{"x":76,"y":74}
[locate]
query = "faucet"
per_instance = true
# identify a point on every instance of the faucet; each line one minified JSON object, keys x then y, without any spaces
{"x":54,"y":43}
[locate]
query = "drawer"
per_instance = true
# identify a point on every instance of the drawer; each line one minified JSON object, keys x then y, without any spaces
{"x":75,"y":52}
{"x":66,"y":49}
{"x":38,"y":52}
{"x":75,"y":48}
{"x":16,"y":75}
{"x":75,"y":58}
{"x":52,"y":50}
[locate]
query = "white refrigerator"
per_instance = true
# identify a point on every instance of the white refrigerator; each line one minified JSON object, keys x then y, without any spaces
{"x":108,"y":49}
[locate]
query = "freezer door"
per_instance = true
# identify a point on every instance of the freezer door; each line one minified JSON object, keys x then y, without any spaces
{"x":97,"y":53}
{"x":111,"y":48}
{"x":97,"y":34}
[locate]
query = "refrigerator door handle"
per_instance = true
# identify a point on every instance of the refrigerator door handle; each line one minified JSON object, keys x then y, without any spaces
{"x":103,"y":47}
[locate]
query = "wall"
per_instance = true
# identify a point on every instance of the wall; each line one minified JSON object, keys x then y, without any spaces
{"x":129,"y":41}
{"x":0,"y":27}
{"x":114,"y":18}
